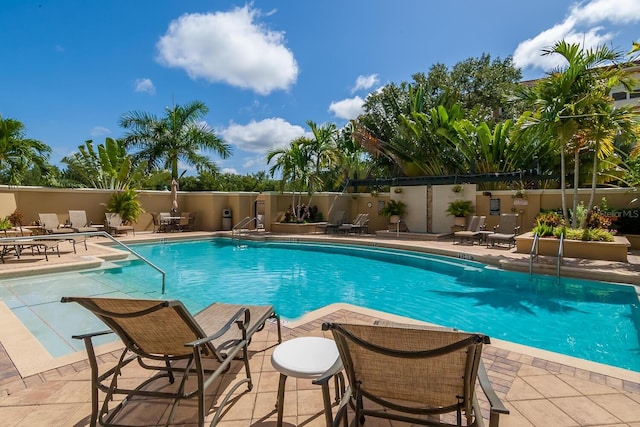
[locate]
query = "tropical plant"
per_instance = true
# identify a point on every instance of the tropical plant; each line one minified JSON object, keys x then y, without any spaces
{"x":460,"y":208}
{"x":569,"y":102}
{"x":126,"y":203}
{"x":394,"y":207}
{"x":110,"y":167}
{"x":16,"y":218}
{"x":179,"y":136}
{"x":18,"y":154}
{"x":5,"y":224}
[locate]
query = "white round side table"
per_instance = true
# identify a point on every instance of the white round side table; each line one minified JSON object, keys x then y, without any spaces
{"x":307,"y":357}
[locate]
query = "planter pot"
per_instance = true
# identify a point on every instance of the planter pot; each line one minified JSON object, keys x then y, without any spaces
{"x":394,"y":219}
{"x":295,"y":228}
{"x":459,"y":221}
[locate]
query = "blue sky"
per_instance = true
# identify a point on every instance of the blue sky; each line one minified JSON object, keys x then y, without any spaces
{"x":71,"y":69}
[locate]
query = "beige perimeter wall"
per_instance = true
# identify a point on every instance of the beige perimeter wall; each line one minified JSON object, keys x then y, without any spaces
{"x":426,"y":210}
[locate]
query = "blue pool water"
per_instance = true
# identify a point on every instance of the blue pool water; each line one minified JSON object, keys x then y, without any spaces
{"x":590,"y":320}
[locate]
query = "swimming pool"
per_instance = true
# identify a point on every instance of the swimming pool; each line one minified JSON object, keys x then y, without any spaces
{"x":590,"y":320}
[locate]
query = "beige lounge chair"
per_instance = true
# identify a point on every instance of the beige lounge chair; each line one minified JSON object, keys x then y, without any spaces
{"x":359,"y":224}
{"x":79,"y":223}
{"x":505,"y":232}
{"x":115,"y":225}
{"x":51,"y":225}
{"x":476,"y":225}
{"x":335,"y":221}
{"x":18,"y":245}
{"x":192,"y":351}
{"x":413,"y":374}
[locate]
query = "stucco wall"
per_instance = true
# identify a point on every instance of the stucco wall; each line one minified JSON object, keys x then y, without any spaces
{"x":423,"y":203}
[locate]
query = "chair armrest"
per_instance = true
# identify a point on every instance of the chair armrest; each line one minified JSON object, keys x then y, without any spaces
{"x":90,"y":335}
{"x":496,"y":405}
{"x":516,"y":230}
{"x":242,"y":324}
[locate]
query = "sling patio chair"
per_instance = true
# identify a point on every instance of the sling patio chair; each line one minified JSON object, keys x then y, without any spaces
{"x":79,"y":223}
{"x":411,"y":373}
{"x":115,"y":225}
{"x":167,"y":340}
{"x":505,"y":232}
{"x":335,"y":220}
{"x":51,"y":224}
{"x":476,"y":225}
{"x":359,"y":224}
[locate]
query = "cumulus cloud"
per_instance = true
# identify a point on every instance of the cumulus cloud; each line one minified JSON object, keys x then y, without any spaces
{"x":260,"y":137}
{"x":347,"y":109}
{"x":232,"y":171}
{"x":229,"y":47}
{"x":99,"y":131}
{"x":145,"y":85}
{"x":584,"y":24}
{"x":365,"y":82}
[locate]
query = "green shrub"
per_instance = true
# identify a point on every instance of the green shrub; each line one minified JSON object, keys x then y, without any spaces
{"x":543,"y":229}
{"x":589,"y":234}
{"x":549,"y":218}
{"x":126,"y":203}
{"x":460,"y":208}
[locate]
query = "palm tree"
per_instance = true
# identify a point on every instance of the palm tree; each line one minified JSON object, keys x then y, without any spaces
{"x":564,"y":102}
{"x":179,"y":136}
{"x":17,"y":153}
{"x":294,"y":163}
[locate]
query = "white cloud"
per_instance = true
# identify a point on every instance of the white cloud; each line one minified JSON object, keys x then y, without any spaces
{"x":99,"y":131}
{"x":347,"y":109}
{"x":229,"y":47}
{"x":365,"y":82}
{"x":585,"y":24}
{"x":145,"y":85}
{"x":260,"y":137}
{"x":232,"y":171}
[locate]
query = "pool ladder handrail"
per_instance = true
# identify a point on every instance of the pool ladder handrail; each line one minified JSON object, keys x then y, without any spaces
{"x":534,"y":251}
{"x":69,"y":236}
{"x":560,"y":254}
{"x":241,"y":224}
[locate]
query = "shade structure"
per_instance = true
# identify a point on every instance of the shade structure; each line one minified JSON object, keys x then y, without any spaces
{"x":174,"y":195}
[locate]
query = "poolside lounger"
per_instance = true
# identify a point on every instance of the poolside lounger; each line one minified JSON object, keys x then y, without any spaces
{"x":166,"y":339}
{"x":51,"y":224}
{"x":18,"y":245}
{"x":79,"y":223}
{"x":413,"y":374}
{"x":360,"y":224}
{"x":476,"y":225}
{"x":505,"y":232}
{"x":115,"y":225}
{"x":335,"y":220}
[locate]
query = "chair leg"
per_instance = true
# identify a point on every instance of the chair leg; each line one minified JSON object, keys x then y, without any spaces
{"x":280,"y":401}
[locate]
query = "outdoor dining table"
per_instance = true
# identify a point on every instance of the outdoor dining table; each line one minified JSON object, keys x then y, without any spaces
{"x":173,"y":222}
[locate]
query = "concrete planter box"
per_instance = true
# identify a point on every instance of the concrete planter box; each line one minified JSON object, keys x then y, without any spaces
{"x":295,"y":228}
{"x":607,"y":251}
{"x":634,"y":239}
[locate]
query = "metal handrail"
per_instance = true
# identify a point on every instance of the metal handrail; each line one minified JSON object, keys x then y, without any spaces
{"x":241,"y":224}
{"x":560,"y":254}
{"x":69,"y":236}
{"x":534,"y":249}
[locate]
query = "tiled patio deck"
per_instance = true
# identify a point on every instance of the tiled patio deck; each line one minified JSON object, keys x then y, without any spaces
{"x":539,"y":388}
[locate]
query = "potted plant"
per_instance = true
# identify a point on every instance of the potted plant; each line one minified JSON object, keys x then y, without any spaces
{"x":394,"y":209}
{"x":460,"y":209}
{"x":5,"y":224}
{"x":126,"y":203}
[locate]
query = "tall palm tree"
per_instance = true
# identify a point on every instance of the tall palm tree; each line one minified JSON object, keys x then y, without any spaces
{"x":17,"y":153}
{"x":564,"y":101}
{"x":179,"y":136}
{"x":322,"y":148}
{"x":293,"y":162}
